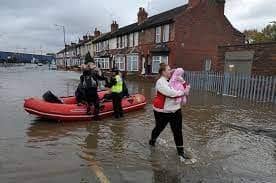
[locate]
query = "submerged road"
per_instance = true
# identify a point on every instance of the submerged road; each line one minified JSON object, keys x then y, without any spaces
{"x":233,"y":140}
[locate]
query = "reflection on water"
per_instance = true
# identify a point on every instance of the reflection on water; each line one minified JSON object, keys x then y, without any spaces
{"x":233,"y":140}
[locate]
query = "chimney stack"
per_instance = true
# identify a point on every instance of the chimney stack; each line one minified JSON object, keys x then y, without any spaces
{"x":193,"y":3}
{"x":142,"y":15}
{"x":114,"y":26}
{"x":97,"y":33}
{"x":85,"y":37}
{"x":221,"y":6}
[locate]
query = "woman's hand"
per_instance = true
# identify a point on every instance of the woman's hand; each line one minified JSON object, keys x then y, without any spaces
{"x":180,"y":79}
{"x":187,"y":89}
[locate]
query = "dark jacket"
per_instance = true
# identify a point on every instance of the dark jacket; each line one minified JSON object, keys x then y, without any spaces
{"x":94,"y":73}
{"x":80,"y":94}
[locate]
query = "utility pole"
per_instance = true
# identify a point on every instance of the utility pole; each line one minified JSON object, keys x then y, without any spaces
{"x":24,"y":55}
{"x":41,"y":53}
{"x":64,"y":40}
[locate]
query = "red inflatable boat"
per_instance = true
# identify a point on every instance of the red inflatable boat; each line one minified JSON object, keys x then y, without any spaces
{"x":70,"y":111}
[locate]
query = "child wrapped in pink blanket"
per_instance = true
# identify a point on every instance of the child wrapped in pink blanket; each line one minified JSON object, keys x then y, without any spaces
{"x":178,"y":83}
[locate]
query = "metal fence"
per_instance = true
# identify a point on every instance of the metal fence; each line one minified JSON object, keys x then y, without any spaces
{"x":253,"y":88}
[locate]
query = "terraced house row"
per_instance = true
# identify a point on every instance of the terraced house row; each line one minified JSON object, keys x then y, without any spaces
{"x":187,"y":36}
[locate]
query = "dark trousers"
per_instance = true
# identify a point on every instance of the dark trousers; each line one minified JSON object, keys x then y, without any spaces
{"x":175,"y":120}
{"x":92,"y":98}
{"x":117,"y":104}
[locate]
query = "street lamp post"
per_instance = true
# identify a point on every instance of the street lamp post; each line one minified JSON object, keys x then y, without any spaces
{"x":64,"y":40}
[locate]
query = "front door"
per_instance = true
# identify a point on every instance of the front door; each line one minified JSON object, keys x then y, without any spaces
{"x":234,"y":67}
{"x":143,"y":66}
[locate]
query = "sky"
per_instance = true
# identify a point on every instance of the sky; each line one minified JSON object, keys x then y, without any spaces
{"x":29,"y":25}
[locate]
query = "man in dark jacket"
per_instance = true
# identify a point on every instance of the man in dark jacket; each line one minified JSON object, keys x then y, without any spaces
{"x":90,"y":79}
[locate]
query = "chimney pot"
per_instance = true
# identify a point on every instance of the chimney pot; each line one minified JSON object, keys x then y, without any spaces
{"x":142,"y":15}
{"x":193,"y":3}
{"x":114,"y":26}
{"x":97,"y":32}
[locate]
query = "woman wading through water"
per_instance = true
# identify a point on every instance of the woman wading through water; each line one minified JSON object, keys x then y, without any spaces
{"x":166,"y":110}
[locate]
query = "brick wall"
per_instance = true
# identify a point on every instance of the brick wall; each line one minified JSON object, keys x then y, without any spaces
{"x":264,"y":62}
{"x":198,"y":32}
{"x":147,"y":43}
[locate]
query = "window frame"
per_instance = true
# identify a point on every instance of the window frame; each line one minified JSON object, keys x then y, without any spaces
{"x":158,"y":34}
{"x":130,"y":60}
{"x":136,"y":39}
{"x":125,"y":41}
{"x":159,"y":60}
{"x":121,"y":41}
{"x":166,"y":35}
{"x":120,"y":60}
{"x":102,"y":63}
{"x":131,"y":40}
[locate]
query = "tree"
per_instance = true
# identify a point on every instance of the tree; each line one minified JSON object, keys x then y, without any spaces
{"x":50,"y":54}
{"x":270,"y":32}
{"x":266,"y":35}
{"x":88,"y":58}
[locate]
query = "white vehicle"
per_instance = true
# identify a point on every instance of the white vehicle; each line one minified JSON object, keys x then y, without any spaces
{"x":53,"y":67}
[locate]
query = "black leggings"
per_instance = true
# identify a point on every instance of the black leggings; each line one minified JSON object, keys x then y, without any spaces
{"x":92,"y":98}
{"x":117,"y":104}
{"x":175,"y":120}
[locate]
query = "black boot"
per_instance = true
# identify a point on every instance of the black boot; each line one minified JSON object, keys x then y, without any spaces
{"x":97,"y":118}
{"x":88,"y":111}
{"x":181,"y":154}
{"x":152,"y":143}
{"x":121,"y":115}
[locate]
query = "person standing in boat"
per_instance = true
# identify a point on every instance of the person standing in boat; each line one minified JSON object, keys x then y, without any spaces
{"x":80,"y":92}
{"x":116,"y":84}
{"x":90,"y":79}
{"x":166,"y":110}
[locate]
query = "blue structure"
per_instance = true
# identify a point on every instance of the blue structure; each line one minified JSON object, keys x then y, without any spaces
{"x":25,"y":58}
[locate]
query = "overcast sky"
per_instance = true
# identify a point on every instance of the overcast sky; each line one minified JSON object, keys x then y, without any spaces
{"x":30,"y":23}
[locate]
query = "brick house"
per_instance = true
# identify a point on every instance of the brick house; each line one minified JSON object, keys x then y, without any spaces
{"x":251,"y":59}
{"x":187,"y":36}
{"x":75,"y":52}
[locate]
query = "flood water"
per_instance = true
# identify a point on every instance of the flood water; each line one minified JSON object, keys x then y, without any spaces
{"x":233,"y":140}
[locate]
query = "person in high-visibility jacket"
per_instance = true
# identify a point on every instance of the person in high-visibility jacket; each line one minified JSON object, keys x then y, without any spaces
{"x":117,"y":93}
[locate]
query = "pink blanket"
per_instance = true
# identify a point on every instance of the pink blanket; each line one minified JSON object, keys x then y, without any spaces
{"x":178,"y":83}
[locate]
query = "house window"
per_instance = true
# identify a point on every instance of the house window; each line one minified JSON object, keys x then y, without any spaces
{"x":121,"y":42}
{"x":207,"y":65}
{"x":105,"y":45}
{"x":156,"y":61}
{"x":136,"y":39}
{"x":106,"y":63}
{"x":102,"y":63}
{"x":130,"y":39}
{"x":166,"y":33}
{"x":97,"y":61}
{"x":158,"y":34}
{"x":120,"y":62}
{"x":112,"y":43}
{"x":101,"y":46}
{"x":118,"y":42}
{"x":97,"y":49}
{"x":132,"y":63}
{"x":125,"y":41}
